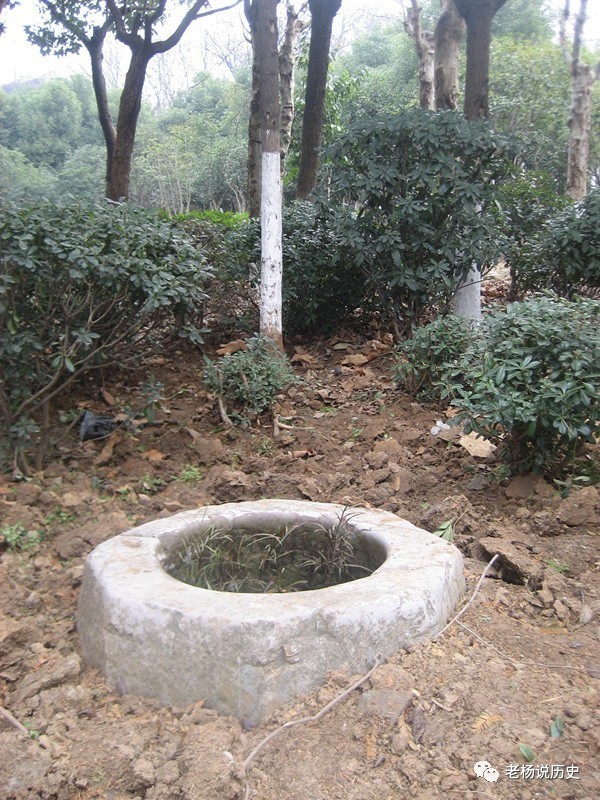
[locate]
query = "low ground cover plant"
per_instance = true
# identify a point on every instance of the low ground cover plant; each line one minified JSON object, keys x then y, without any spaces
{"x":247,"y":382}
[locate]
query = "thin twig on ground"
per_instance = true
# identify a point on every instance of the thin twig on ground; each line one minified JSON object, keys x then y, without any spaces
{"x":514,"y":661}
{"x":13,"y":720}
{"x":472,"y":598}
{"x":226,"y":420}
{"x":305,"y":720}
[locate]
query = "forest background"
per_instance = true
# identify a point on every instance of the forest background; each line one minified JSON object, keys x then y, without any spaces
{"x":191,"y":143}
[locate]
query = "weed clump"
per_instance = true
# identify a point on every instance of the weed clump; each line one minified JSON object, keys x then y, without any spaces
{"x":284,"y":559}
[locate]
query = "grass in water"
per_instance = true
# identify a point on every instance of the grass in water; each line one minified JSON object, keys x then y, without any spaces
{"x":285,"y":559}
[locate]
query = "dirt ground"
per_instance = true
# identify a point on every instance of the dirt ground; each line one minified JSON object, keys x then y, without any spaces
{"x":514,"y":682}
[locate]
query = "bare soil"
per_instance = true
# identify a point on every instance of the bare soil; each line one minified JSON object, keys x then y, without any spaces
{"x":525,"y":655}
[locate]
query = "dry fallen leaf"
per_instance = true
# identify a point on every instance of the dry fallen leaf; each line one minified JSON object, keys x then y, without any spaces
{"x":108,"y":398}
{"x":371,"y":745}
{"x":418,"y":723}
{"x":480,"y":448}
{"x":303,"y":358}
{"x":376,"y":344}
{"x":154,"y":456}
{"x":105,"y":455}
{"x":342,"y":346}
{"x":232,"y":347}
{"x":485,"y":721}
{"x":303,"y":453}
{"x":356,"y":360}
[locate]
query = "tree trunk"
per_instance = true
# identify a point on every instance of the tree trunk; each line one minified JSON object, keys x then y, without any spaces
{"x":322,"y":14}
{"x":580,"y":124}
{"x":271,"y":200}
{"x":129,"y":111}
{"x":287,"y":68}
{"x":424,"y":47}
{"x":583,"y":78}
{"x":94,"y":47}
{"x":449,"y":32}
{"x":478,"y":14}
{"x":254,"y":145}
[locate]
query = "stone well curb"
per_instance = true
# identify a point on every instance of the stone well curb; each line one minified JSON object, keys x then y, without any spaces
{"x":247,"y":654}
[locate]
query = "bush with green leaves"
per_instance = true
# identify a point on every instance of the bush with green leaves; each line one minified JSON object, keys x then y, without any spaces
{"x":82,"y":288}
{"x":564,"y":253}
{"x":431,"y":355}
{"x":525,"y":206}
{"x":248,"y":381}
{"x":531,"y":382}
{"x":318,"y":295}
{"x":408,"y":196}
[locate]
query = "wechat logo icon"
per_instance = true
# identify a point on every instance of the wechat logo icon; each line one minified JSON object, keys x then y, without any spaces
{"x":483,"y":769}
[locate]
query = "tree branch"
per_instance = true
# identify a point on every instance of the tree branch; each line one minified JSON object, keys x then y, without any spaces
{"x":578,"y":32}
{"x":192,"y":14}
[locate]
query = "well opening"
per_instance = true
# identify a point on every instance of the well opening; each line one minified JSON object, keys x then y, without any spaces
{"x":277,"y":556}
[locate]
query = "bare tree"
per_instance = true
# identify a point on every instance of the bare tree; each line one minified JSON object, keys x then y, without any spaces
{"x":425,"y":48}
{"x":322,"y":13}
{"x":438,"y":53}
{"x":583,"y":77}
{"x":287,"y":63}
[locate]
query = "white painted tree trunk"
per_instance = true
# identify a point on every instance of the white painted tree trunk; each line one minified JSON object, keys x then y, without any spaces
{"x":271,"y":248}
{"x":467,"y":297}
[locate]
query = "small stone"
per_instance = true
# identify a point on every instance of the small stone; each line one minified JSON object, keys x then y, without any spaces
{"x":523,"y":486}
{"x":168,"y":773}
{"x":33,"y":600}
{"x":76,"y":499}
{"x":376,"y":460}
{"x":143,"y":771}
{"x":579,"y":508}
{"x":400,"y":741}
{"x":514,"y":565}
{"x":51,"y":674}
{"x":387,"y":703}
{"x":584,"y":722}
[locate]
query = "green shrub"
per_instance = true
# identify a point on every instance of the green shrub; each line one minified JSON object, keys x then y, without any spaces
{"x":250,"y":379}
{"x":533,"y":385}
{"x":563,"y":254}
{"x":85,"y":287}
{"x":407,"y":197}
{"x":424,"y":362}
{"x":525,"y":206}
{"x":318,"y":295}
{"x":321,"y":290}
{"x":223,"y":219}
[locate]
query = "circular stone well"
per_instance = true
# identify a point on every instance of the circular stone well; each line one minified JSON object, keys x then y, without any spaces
{"x":246,"y":654}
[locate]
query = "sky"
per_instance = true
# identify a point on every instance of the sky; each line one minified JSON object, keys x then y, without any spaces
{"x":20,"y":60}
